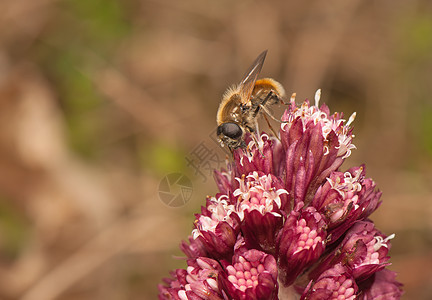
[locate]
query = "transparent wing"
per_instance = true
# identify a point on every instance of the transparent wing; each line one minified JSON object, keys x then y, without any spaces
{"x":248,"y":82}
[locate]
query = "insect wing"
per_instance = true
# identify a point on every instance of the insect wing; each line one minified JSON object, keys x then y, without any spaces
{"x":248,"y":82}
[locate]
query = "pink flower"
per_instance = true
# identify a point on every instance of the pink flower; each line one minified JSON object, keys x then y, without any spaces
{"x":217,"y":227}
{"x":383,"y":285}
{"x":362,"y":253}
{"x":260,"y":192}
{"x":316,"y":144}
{"x":346,"y":198}
{"x":335,"y":283}
{"x":300,"y":243}
{"x":259,"y":203}
{"x":252,"y":275}
{"x":364,"y":249}
{"x":287,"y":222}
{"x":198,"y":281}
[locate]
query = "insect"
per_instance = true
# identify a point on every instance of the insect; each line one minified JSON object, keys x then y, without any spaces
{"x":242,"y":104}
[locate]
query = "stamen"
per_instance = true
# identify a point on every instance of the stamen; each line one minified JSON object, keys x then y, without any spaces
{"x":380,"y":242}
{"x":317,"y":97}
{"x":351,"y":119}
{"x":292,"y":99}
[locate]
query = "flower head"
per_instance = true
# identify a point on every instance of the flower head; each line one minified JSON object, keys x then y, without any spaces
{"x":316,"y":143}
{"x":198,"y":281}
{"x":259,"y":202}
{"x":287,"y":222}
{"x":217,"y":227}
{"x":363,"y":251}
{"x":382,"y":285}
{"x":335,"y":283}
{"x":251,"y":275}
{"x":345,"y":198}
{"x":301,"y":242}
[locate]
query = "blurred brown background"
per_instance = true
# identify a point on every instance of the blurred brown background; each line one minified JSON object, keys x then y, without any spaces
{"x":100,"y":99}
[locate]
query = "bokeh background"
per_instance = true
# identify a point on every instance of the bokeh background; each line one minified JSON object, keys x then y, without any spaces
{"x":101,"y":99}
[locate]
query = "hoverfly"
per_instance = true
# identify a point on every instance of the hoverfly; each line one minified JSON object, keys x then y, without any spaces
{"x":242,"y":104}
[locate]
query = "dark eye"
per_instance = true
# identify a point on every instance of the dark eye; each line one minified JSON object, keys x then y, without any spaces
{"x":231,"y":130}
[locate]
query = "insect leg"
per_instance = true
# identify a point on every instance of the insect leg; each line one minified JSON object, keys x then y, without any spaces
{"x":260,"y":105}
{"x":271,"y":127}
{"x":270,"y":114}
{"x":270,"y":95}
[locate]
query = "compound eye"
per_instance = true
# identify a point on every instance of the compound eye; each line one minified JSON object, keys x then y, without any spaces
{"x":231,"y":130}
